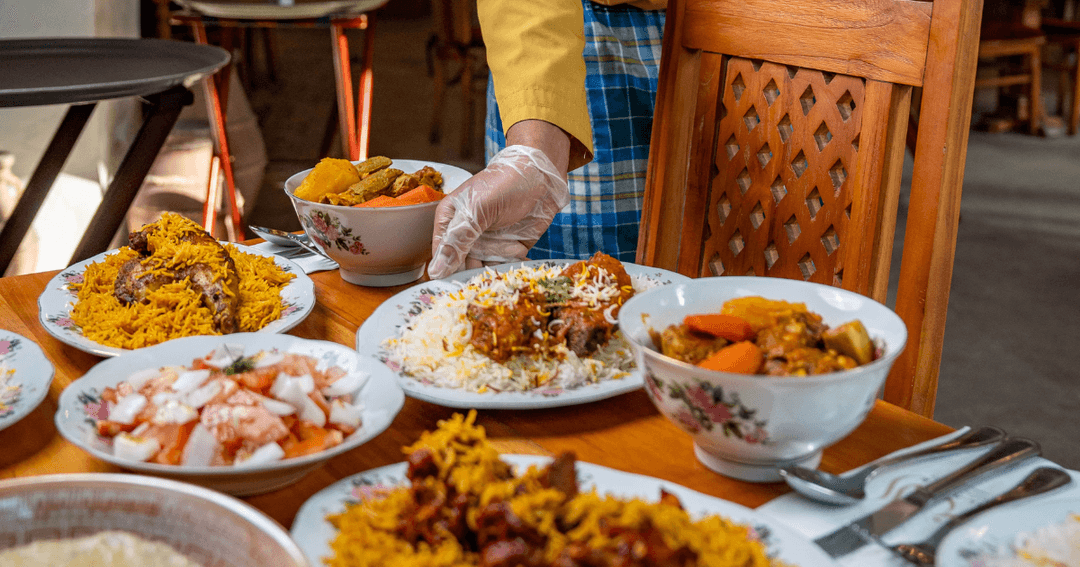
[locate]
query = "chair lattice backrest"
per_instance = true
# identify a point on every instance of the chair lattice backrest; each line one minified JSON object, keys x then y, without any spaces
{"x":778,"y":148}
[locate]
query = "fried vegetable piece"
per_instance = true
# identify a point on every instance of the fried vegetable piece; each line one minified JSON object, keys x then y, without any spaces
{"x":761,"y":312}
{"x":729,"y":327}
{"x":742,"y":357}
{"x":851,"y":339}
{"x":376,"y":184}
{"x":422,"y":194}
{"x":329,"y":176}
{"x":371,"y":165}
{"x":426,"y":175}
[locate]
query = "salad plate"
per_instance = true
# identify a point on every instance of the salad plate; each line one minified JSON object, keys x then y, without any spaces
{"x":390,"y":318}
{"x":58,"y":299}
{"x":25,"y":377}
{"x":314,"y":533}
{"x":81,"y":403}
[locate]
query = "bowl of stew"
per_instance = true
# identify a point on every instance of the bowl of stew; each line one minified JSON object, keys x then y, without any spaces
{"x":762,"y":373}
{"x":364,"y":217}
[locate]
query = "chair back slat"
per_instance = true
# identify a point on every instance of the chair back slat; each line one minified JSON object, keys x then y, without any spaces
{"x":884,"y":40}
{"x":779,"y":143}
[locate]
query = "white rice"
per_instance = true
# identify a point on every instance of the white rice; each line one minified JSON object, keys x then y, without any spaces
{"x":434,"y":346}
{"x":1051,"y":545}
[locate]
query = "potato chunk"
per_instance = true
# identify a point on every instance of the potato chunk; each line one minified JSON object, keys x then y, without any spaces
{"x":329,"y":176}
{"x":851,"y":339}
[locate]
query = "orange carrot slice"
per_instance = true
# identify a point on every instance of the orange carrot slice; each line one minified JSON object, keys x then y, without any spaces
{"x":380,"y":201}
{"x":743,"y":357}
{"x":421,"y":194}
{"x":730,"y":327}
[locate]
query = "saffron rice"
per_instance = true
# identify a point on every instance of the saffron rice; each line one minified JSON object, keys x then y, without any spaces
{"x":468,"y":465}
{"x":175,"y":309}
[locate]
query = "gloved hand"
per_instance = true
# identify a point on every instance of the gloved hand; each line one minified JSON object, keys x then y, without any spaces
{"x":499,"y":213}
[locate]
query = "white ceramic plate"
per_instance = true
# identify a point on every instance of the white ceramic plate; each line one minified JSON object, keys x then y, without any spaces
{"x":399,"y":309}
{"x":56,"y":302}
{"x":991,"y":535}
{"x":380,"y":395}
{"x":313,"y":533}
{"x":25,"y":377}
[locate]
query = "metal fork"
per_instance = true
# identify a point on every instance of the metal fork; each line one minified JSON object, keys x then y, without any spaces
{"x":1043,"y":479}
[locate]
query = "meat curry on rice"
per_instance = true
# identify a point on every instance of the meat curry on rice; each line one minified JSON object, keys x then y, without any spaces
{"x":541,"y":318}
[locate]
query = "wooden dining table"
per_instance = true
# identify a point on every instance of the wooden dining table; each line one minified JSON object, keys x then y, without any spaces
{"x":624,"y":432}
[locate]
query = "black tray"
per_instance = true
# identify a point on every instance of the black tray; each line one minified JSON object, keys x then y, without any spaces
{"x":78,"y":70}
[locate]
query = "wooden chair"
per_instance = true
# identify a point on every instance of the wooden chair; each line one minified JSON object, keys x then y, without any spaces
{"x":1013,"y":43}
{"x":778,"y":146}
{"x":456,"y":55}
{"x":1065,"y":34}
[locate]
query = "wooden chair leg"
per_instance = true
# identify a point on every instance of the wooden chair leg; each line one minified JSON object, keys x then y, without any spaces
{"x":438,"y":93}
{"x":466,"y":97}
{"x":363,"y":118}
{"x":1074,"y":113}
{"x":215,"y":104}
{"x":343,"y":80}
{"x":1036,"y":92}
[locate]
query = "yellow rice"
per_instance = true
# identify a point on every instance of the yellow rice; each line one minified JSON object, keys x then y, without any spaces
{"x":175,"y":309}
{"x":467,"y":462}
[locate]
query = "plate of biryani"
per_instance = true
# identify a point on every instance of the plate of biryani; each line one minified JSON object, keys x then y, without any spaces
{"x":173,"y":280}
{"x":25,"y":377}
{"x":523,"y":335}
{"x":456,"y":501}
{"x":1043,"y":533}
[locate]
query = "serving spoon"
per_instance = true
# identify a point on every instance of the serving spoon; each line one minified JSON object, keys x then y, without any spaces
{"x":850,"y":488}
{"x":1043,"y":479}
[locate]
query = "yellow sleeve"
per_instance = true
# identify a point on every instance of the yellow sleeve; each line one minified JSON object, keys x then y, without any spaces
{"x":534,"y":50}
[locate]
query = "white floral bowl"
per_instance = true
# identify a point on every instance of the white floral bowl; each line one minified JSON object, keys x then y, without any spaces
{"x":379,"y":246}
{"x":748,"y":427}
{"x":208,"y":527}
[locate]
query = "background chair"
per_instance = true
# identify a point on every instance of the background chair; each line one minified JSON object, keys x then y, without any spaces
{"x":1011,"y":44}
{"x":1063,"y":31}
{"x":778,"y":147}
{"x":456,"y":55}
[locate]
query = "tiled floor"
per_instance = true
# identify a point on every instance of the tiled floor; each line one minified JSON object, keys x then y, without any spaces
{"x":1013,"y":315}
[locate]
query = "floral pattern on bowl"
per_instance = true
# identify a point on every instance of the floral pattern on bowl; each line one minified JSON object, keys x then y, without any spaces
{"x":703,"y":407}
{"x":327,"y":232}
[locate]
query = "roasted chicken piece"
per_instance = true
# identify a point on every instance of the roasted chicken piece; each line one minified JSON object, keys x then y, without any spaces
{"x":150,"y":270}
{"x":681,"y":343}
{"x":588,"y":325}
{"x":406,"y":182}
{"x":502,"y":331}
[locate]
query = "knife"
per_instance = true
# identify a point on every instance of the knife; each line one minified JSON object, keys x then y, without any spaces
{"x":876,"y":524}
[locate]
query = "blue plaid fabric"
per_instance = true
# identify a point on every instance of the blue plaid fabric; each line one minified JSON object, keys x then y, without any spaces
{"x":622,"y":61}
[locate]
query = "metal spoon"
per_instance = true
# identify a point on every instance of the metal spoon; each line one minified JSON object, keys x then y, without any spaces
{"x":279,"y":237}
{"x":846,"y":489}
{"x":282,"y":238}
{"x":1043,"y":479}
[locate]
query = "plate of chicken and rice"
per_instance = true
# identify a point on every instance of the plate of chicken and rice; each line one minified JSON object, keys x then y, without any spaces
{"x":173,"y":280}
{"x":524,"y":335}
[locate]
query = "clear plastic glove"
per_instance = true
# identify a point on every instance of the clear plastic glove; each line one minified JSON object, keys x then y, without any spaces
{"x":499,"y":213}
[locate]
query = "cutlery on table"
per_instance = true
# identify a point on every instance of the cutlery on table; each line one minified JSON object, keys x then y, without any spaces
{"x":1041,"y":480}
{"x":846,"y":489}
{"x":876,"y":524}
{"x":283,"y":238}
